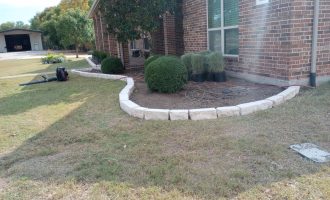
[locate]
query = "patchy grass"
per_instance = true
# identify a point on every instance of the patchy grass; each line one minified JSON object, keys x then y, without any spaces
{"x":71,"y":141}
{"x":26,"y":66}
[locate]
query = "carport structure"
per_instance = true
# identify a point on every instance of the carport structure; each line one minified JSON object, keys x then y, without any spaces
{"x":20,"y":40}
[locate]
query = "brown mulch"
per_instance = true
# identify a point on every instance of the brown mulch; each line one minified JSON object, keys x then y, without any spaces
{"x":200,"y":95}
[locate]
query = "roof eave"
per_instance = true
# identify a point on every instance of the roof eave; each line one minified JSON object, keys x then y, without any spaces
{"x":20,"y":29}
{"x":92,"y":10}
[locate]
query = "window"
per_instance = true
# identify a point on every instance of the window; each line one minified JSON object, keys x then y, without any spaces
{"x":133,"y":44}
{"x":223,"y":36}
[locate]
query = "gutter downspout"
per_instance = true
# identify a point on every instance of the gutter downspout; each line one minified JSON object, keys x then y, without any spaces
{"x":314,"y":43}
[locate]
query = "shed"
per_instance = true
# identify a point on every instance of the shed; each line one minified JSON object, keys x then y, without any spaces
{"x":20,"y":40}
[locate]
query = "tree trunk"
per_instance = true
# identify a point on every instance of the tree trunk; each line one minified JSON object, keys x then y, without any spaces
{"x":77,"y":50}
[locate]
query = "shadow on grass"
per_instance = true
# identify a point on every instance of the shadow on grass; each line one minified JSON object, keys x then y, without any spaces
{"x":210,"y":159}
{"x":70,"y":64}
{"x":41,"y":95}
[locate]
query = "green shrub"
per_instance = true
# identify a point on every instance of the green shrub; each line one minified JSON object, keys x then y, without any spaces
{"x":198,"y":63}
{"x":150,"y":60}
{"x":215,"y":62}
{"x":53,"y":58}
{"x":167,"y":74}
{"x":205,"y":53}
{"x":99,"y":56}
{"x":112,"y":65}
{"x":186,"y":60}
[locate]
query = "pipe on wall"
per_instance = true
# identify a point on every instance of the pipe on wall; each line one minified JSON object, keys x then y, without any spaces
{"x":314,"y":43}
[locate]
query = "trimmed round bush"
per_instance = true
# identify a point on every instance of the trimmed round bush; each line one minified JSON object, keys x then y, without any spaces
{"x":167,"y":74}
{"x":151,"y":59}
{"x":99,"y":56}
{"x":112,"y":65}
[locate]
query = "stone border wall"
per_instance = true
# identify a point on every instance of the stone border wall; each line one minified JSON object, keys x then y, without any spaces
{"x":137,"y":111}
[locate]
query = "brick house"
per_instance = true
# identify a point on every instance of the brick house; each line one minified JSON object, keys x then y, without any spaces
{"x":266,"y":41}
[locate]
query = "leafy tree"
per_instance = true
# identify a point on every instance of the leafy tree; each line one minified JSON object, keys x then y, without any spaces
{"x":75,"y":4}
{"x":74,"y":28}
{"x":7,"y":25}
{"x":20,"y":24}
{"x":11,"y":25}
{"x":131,"y":19}
{"x":46,"y":21}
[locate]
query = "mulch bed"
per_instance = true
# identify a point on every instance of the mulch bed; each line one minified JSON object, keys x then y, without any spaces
{"x":200,"y":95}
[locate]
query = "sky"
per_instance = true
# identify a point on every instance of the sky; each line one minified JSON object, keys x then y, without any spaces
{"x":23,"y":10}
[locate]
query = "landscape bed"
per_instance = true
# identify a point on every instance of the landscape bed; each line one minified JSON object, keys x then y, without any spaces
{"x":200,"y":95}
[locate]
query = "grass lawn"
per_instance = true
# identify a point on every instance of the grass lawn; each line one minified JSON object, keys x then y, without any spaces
{"x":32,"y":66}
{"x":70,"y":140}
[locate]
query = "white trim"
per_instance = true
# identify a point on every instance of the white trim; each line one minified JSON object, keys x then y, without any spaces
{"x":91,"y":11}
{"x":207,"y":24}
{"x":222,"y":24}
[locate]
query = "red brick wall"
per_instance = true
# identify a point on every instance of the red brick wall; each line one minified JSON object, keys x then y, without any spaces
{"x":274,"y":40}
{"x":195,"y":25}
{"x":158,"y":41}
{"x":265,"y":38}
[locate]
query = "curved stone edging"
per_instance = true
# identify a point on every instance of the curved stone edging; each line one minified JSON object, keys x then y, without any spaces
{"x":137,"y":111}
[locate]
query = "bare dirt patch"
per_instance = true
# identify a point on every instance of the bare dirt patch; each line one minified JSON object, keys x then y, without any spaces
{"x":202,"y":95}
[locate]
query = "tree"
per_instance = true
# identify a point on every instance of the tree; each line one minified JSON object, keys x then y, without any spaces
{"x":46,"y":21}
{"x":20,"y":24}
{"x":74,"y":28}
{"x":12,"y":25}
{"x":131,"y":19}
{"x":7,"y":26}
{"x":75,"y":4}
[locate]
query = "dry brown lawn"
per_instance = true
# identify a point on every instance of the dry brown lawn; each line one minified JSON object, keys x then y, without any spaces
{"x":71,"y":141}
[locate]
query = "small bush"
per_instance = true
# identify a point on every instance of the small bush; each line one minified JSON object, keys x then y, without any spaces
{"x":53,"y":58}
{"x":148,"y":61}
{"x":167,"y":74}
{"x":99,"y":56}
{"x":112,"y":65}
{"x":151,"y":59}
{"x":215,"y":62}
{"x":186,"y":60}
{"x":205,"y":53}
{"x":198,"y":63}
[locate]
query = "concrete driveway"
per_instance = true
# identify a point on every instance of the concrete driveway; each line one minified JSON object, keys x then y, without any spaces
{"x":22,"y":55}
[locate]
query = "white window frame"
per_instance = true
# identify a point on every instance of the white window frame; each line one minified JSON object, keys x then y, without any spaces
{"x":222,"y":29}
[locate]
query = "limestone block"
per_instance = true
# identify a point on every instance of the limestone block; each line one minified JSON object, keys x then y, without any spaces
{"x":277,"y":99}
{"x":252,"y":107}
{"x":179,"y":115}
{"x":201,"y":114}
{"x":228,"y":111}
{"x":156,"y":114}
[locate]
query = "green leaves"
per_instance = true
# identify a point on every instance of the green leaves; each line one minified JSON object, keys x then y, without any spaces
{"x":74,"y":28}
{"x":131,"y":19}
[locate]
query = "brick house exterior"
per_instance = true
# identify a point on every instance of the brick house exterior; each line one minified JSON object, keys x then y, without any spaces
{"x":275,"y":39}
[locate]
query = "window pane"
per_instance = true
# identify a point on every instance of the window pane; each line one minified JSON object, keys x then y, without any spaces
{"x":231,"y":41}
{"x":231,"y":12}
{"x":215,"y":40}
{"x":214,"y":13}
